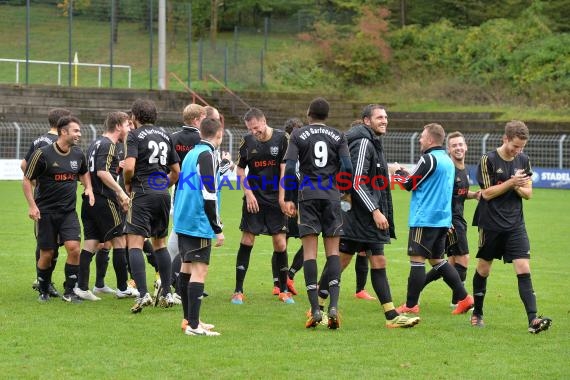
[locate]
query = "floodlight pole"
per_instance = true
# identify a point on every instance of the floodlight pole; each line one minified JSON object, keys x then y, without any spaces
{"x":162,"y":44}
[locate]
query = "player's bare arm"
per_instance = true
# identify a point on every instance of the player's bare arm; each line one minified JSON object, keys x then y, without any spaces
{"x":174,"y":174}
{"x":128,"y":172}
{"x":85,"y":180}
{"x":33,"y":210}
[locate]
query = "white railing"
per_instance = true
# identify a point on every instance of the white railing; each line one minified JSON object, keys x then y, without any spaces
{"x":99,"y":66}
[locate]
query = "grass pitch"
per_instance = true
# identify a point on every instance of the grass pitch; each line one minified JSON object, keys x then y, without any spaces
{"x":265,"y":339}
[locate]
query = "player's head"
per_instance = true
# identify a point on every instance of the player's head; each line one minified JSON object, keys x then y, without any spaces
{"x":132,"y":125}
{"x":515,"y":137}
{"x":255,"y":122}
{"x":253,"y":113}
{"x":144,"y":111}
{"x":213,"y":113}
{"x":456,"y":146}
{"x":432,"y":135}
{"x":375,"y":117}
{"x":211,"y":130}
{"x":193,"y":114}
{"x":318,"y":109}
{"x":69,"y":129}
{"x":292,"y":123}
{"x":55,"y":114}
{"x":117,"y":122}
{"x":516,"y":128}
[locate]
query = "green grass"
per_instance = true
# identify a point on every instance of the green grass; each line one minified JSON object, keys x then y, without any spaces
{"x":90,"y":39}
{"x":265,"y":339}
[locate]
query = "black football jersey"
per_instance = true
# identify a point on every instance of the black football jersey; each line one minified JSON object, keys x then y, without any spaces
{"x":263,"y":160}
{"x":103,"y":154}
{"x":460,"y":191}
{"x":43,"y":140}
{"x":184,"y":140}
{"x":505,"y":212}
{"x":154,"y":153}
{"x":121,"y":152}
{"x":318,"y":149}
{"x":56,"y":176}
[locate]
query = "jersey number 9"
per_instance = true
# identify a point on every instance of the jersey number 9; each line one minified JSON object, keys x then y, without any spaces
{"x":321,"y":154}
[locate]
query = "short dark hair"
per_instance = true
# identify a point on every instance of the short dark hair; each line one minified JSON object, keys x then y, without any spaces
{"x":55,"y":114}
{"x":209,"y":128}
{"x":144,"y":111}
{"x":453,"y":135}
{"x":113,"y":119}
{"x":63,"y":123}
{"x":369,"y":109}
{"x":318,"y":109}
{"x":292,"y":123}
{"x":253,"y":113}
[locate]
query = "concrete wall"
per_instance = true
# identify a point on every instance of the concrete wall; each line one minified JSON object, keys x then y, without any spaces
{"x":21,"y":103}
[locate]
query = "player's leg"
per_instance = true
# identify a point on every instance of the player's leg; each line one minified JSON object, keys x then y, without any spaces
{"x":310,"y":271}
{"x":159,"y":233}
{"x":176,"y":259}
{"x":361,"y":272}
{"x":138,"y":228}
{"x":242,"y":264}
{"x":297,"y":263}
{"x":69,"y":233}
{"x":101,"y":266}
{"x":459,"y":256}
{"x":47,"y":240}
{"x":517,"y":250}
{"x":416,"y":277}
{"x":334,"y":268}
{"x":121,"y":269}
{"x":85,"y":257}
{"x":250,"y":225}
{"x":280,"y":253}
{"x":490,"y":246}
{"x":450,"y":243}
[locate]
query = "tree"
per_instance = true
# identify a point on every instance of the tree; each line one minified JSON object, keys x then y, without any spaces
{"x":357,"y":53}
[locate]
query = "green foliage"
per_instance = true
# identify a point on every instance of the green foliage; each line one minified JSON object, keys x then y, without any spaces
{"x":78,"y":6}
{"x":356,"y":54}
{"x":518,"y":58}
{"x":521,"y":59}
{"x":300,"y":72}
{"x":420,"y":52}
{"x":486,"y":50}
{"x":541,"y":68}
{"x":559,"y":13}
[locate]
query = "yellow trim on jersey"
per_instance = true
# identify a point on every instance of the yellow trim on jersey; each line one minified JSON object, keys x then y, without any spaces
{"x":418,"y":234}
{"x":452,"y":238}
{"x":114,"y":212}
{"x":33,"y":162}
{"x":485,"y":172}
{"x":110,"y":157}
